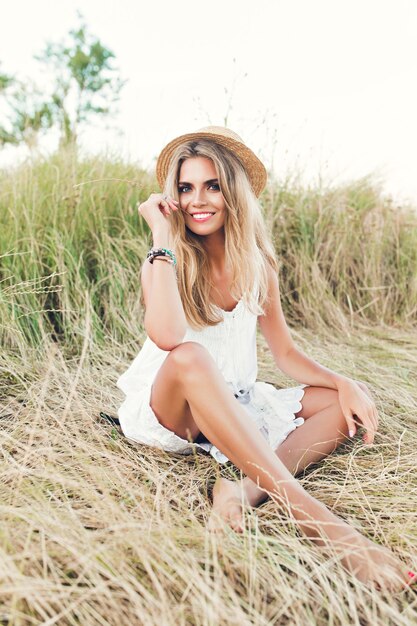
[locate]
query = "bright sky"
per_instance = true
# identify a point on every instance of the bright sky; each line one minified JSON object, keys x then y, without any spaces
{"x":327,"y":87}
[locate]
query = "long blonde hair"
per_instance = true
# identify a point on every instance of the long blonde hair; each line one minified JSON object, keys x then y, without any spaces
{"x":248,"y":248}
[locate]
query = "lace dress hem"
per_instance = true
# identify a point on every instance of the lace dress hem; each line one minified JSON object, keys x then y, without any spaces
{"x":272,"y":410}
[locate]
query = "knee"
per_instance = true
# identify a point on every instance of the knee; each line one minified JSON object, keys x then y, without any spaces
{"x":189,"y":357}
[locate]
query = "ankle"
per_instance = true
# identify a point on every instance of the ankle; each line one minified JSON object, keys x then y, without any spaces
{"x":232,"y":487}
{"x":254,"y":494}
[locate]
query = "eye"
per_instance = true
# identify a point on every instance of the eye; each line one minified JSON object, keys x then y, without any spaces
{"x":185,"y":187}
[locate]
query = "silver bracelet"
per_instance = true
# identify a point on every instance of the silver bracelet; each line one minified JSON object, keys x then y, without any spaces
{"x":163,"y":258}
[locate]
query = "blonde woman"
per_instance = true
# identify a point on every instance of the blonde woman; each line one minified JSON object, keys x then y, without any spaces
{"x":209,"y":279}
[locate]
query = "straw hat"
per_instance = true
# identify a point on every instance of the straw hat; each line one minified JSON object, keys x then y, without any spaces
{"x":254,"y":167}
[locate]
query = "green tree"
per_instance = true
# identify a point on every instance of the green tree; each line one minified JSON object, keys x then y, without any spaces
{"x":5,"y":81}
{"x":30,"y":114}
{"x":84,"y":84}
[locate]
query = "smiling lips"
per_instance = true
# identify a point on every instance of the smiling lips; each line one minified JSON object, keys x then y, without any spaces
{"x":201,"y":217}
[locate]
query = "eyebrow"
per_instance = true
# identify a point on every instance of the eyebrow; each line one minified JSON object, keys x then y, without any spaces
{"x":212,"y":180}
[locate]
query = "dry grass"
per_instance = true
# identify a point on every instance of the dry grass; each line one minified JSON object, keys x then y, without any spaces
{"x":97,"y":530}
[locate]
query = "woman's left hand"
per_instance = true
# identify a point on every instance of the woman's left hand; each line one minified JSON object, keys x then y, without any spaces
{"x":356,"y":400}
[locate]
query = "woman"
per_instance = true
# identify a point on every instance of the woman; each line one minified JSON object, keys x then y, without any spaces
{"x":210,"y":277}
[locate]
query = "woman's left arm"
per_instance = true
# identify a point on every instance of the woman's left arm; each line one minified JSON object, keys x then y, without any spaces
{"x":354,"y":396}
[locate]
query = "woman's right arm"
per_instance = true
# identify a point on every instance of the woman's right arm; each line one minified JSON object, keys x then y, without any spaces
{"x":165,"y":321}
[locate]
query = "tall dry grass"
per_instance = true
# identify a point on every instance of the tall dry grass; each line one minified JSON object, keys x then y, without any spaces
{"x":96,"y":530}
{"x":71,"y":237}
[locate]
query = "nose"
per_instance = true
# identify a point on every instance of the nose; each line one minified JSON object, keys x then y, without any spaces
{"x":198,"y":198}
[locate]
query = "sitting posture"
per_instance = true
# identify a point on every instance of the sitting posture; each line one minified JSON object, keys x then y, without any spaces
{"x":210,"y":277}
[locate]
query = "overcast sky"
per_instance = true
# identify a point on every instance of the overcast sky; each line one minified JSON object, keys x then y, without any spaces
{"x":324,"y":87}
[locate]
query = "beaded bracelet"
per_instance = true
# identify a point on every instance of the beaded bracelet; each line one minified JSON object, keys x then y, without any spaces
{"x":154,"y":252}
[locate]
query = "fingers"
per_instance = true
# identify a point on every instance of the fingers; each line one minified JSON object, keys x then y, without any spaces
{"x":374,"y":418}
{"x":165,"y":207}
{"x":364,"y":388}
{"x":369,"y":435}
{"x":371,"y":418}
{"x":373,"y":406}
{"x":351,"y":423}
{"x":164,"y":202}
{"x":169,"y":204}
{"x":367,"y":420}
{"x":169,"y":200}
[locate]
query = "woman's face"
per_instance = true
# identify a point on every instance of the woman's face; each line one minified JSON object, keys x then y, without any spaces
{"x":199,"y":194}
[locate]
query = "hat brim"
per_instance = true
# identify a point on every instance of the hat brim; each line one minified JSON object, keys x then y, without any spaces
{"x":254,"y":168}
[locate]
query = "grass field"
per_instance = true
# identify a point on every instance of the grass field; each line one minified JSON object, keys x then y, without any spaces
{"x":97,"y":530}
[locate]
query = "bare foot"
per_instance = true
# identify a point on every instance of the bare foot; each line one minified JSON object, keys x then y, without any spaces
{"x":374,"y":564}
{"x":227,"y":506}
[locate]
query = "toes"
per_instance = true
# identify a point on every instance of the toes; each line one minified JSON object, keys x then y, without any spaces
{"x":410,"y":581}
{"x":216,"y":529}
{"x":394,"y":582}
{"x":237,"y":525}
{"x":215,"y":523}
{"x":233,"y":517}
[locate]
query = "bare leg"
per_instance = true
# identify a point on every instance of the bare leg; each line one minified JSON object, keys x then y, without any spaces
{"x":324,"y":430}
{"x":214,"y":410}
{"x":217,"y":413}
{"x":320,"y":435}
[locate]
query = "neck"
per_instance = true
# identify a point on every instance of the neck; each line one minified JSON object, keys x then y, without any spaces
{"x":214,"y":246}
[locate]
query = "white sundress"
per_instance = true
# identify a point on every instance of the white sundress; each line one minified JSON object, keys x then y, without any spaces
{"x":232,"y":344}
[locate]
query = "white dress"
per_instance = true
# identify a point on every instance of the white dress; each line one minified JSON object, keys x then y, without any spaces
{"x":232,"y":344}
